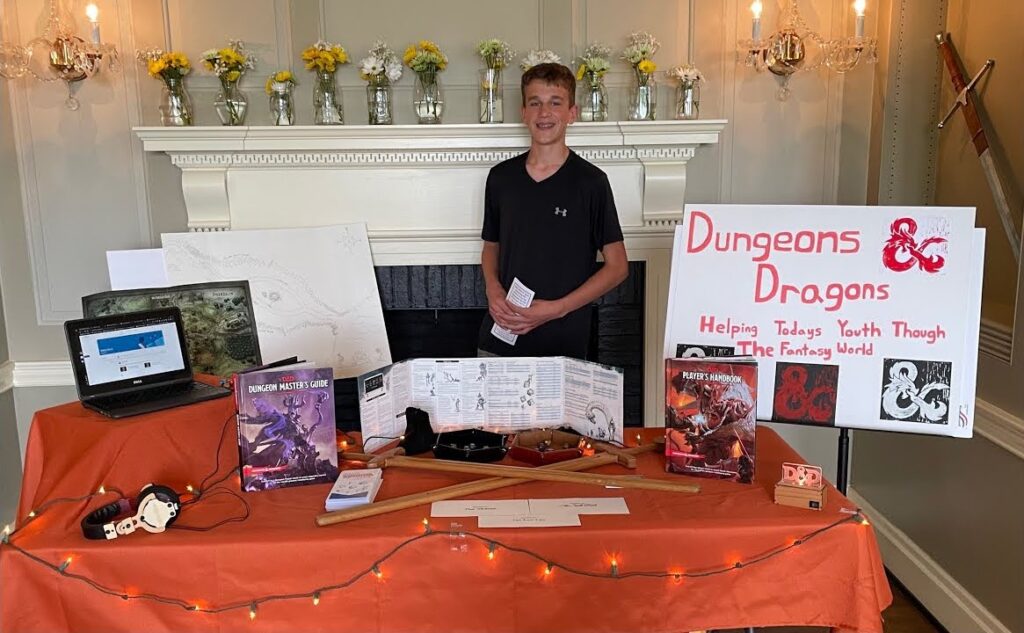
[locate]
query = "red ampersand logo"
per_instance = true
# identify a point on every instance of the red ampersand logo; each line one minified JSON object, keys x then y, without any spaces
{"x":902,"y":251}
{"x":793,"y":402}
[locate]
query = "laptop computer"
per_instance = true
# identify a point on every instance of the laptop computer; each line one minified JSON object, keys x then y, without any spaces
{"x":133,"y":363}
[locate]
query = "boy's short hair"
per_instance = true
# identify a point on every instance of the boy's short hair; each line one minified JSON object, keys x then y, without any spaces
{"x":552,"y":74}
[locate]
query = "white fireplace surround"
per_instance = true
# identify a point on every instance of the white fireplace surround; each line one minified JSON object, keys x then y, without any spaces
{"x":419,"y":189}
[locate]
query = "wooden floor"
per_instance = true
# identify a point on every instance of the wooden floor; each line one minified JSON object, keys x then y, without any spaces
{"x":903,"y":616}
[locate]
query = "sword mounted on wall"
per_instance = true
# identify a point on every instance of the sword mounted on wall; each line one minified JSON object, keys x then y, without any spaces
{"x":965,"y":101}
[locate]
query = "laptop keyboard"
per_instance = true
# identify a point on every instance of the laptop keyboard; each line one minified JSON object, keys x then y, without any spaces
{"x":157,"y":398}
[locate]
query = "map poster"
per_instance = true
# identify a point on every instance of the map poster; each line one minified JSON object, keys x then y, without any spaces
{"x":859,"y":317}
{"x":314,"y":291}
{"x":220,"y":328}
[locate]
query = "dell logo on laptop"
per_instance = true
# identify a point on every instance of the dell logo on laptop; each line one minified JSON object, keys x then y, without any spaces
{"x":136,"y":382}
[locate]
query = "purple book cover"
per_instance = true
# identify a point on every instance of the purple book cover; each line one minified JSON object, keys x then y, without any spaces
{"x":286,"y":434}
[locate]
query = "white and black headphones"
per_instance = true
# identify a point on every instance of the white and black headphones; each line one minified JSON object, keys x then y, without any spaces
{"x":155,"y":508}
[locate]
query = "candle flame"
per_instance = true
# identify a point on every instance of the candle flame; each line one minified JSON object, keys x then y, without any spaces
{"x":756,"y":8}
{"x":92,"y":12}
{"x":859,"y":6}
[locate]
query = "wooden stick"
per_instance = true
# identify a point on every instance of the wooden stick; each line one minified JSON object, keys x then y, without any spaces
{"x":357,"y":457}
{"x":452,"y":492}
{"x":520,"y":472}
{"x":625,"y":458}
{"x":464,"y":489}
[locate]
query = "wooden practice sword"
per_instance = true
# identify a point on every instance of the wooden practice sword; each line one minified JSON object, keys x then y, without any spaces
{"x":965,"y":101}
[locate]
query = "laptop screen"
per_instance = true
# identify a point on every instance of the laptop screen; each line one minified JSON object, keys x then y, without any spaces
{"x":127,"y":350}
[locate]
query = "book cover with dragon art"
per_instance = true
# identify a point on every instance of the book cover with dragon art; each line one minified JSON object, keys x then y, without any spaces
{"x":710,"y":417}
{"x":286,"y":434}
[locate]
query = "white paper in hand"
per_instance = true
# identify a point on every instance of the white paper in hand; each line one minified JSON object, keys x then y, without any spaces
{"x":518,"y":295}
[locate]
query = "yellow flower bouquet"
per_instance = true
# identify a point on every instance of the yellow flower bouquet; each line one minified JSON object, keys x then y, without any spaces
{"x":426,"y":60}
{"x":324,"y":59}
{"x":280,"y":81}
{"x":229,"y":64}
{"x":643,"y":95}
{"x":425,"y":57}
{"x":279,"y":89}
{"x":170,"y":67}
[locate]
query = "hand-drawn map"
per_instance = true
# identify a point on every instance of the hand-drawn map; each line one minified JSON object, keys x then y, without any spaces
{"x":314,"y":291}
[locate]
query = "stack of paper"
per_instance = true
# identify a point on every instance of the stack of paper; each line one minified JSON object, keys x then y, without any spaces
{"x":516,"y":513}
{"x":354,"y":488}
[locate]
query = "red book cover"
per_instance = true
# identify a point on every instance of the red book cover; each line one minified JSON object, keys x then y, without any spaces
{"x":710,"y":417}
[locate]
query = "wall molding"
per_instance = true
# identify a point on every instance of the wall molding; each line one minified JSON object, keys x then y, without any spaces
{"x":999,"y":427}
{"x":945,"y":598}
{"x":996,"y":340}
{"x":40,"y":373}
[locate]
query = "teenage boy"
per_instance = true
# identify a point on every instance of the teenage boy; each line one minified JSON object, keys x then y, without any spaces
{"x":546,"y":215}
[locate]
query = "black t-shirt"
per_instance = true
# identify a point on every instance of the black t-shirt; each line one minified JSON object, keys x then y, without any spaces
{"x":548,"y":235}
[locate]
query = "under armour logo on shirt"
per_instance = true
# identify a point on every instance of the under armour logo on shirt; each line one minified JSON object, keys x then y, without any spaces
{"x":561,"y":212}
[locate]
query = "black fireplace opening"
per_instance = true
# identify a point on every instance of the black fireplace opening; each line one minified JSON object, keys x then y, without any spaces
{"x":436,"y":311}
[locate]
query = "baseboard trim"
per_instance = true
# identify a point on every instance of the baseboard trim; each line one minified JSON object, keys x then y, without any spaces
{"x":948,"y":601}
{"x":6,"y":376}
{"x":1000,"y":427}
{"x":43,"y":374}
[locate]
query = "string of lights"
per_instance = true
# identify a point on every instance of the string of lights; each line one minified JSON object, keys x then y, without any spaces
{"x":375,"y":569}
{"x":209,"y":490}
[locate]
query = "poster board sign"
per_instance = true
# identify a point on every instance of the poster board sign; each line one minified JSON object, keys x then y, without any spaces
{"x":859,"y":317}
{"x":501,"y":394}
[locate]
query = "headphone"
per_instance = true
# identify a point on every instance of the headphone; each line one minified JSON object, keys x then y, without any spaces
{"x":155,"y":508}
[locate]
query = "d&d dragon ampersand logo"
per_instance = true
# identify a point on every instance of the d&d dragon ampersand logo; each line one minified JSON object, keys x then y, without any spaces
{"x":902,"y":251}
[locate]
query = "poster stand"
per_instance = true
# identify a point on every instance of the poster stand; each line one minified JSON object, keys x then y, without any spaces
{"x":843,"y":463}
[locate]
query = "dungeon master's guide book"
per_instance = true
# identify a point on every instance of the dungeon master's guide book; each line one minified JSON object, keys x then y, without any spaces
{"x":286,"y":434}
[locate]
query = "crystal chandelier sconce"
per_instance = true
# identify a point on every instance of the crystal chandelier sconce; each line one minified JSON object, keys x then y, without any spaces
{"x":784,"y":52}
{"x":59,"y":54}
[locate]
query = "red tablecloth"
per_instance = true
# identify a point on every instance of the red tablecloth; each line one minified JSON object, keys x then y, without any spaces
{"x":835,"y":579}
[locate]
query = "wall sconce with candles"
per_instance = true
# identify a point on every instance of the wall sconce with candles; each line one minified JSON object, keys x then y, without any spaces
{"x":59,"y":54}
{"x":783,"y":52}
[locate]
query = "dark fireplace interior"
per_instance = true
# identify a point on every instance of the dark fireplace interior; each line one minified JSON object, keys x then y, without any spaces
{"x":435,"y":312}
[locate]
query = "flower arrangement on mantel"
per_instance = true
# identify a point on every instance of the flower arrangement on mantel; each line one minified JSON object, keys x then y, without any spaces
{"x":639,"y":53}
{"x":170,"y":67}
{"x":539,"y":56}
{"x":495,"y":53}
{"x":324,"y":59}
{"x":228,"y":64}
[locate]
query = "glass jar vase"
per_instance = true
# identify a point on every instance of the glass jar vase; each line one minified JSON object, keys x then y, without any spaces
{"x":175,"y":104}
{"x":327,"y":107}
{"x":378,"y":102}
{"x":491,"y":96}
{"x":231,"y":103}
{"x":688,"y":100}
{"x":282,"y":105}
{"x":428,"y":100}
{"x":593,"y":99}
{"x":643,"y":97}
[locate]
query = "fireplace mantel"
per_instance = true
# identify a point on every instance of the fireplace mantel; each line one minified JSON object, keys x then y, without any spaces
{"x":420,"y":189}
{"x":393,"y":169}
